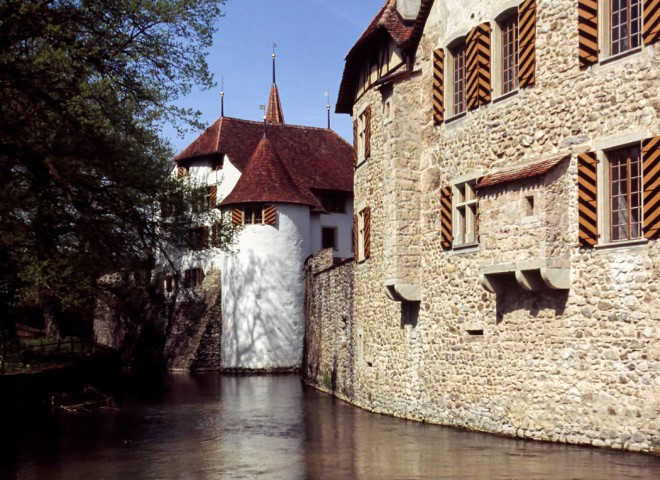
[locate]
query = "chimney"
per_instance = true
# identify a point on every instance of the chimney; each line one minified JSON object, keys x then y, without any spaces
{"x":408,"y":9}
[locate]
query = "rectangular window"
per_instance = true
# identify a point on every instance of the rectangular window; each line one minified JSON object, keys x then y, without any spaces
{"x":466,"y":227}
{"x":625,"y":25}
{"x":458,"y":78}
{"x":193,"y":277}
{"x":625,"y":183}
{"x":253,"y":215}
{"x":329,"y":237}
{"x":198,"y":238}
{"x":333,"y":202}
{"x":509,"y":29}
{"x":364,"y":135}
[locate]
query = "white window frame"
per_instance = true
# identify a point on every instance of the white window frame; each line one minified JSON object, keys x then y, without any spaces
{"x":465,"y":207}
{"x":605,"y":30}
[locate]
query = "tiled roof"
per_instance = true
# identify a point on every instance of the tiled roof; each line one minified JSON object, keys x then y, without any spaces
{"x":274,"y":113}
{"x":316,"y":158}
{"x":520,"y":172}
{"x":267,"y":180}
{"x":406,"y":34}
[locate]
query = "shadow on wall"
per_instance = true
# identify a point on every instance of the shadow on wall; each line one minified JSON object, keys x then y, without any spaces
{"x":549,"y":303}
{"x":262,"y":312}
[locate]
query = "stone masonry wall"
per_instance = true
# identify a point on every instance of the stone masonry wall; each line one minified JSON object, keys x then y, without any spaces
{"x":578,"y":365}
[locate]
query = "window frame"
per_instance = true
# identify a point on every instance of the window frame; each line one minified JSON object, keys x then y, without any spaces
{"x":607,"y":199}
{"x":609,"y":27}
{"x":364,"y":118}
{"x":253,"y":215}
{"x":193,"y":277}
{"x":456,"y":49}
{"x":465,"y":212}
{"x":333,"y":231}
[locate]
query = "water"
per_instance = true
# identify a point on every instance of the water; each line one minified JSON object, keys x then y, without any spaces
{"x":217,"y":427}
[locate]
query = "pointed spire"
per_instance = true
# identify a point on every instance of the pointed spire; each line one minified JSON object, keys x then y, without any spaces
{"x":274,"y":113}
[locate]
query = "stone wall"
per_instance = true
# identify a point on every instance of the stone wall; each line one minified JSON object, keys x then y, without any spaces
{"x":576,"y":365}
{"x":329,"y":336}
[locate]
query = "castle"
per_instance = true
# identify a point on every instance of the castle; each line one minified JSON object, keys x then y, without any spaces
{"x":507,"y":213}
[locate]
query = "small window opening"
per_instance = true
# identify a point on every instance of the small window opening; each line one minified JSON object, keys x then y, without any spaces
{"x":529,"y":205}
{"x":475,"y":333}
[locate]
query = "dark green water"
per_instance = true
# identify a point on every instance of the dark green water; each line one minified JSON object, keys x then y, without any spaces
{"x":211,"y":427}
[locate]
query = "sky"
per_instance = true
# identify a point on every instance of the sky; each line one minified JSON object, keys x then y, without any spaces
{"x":312,"y":38}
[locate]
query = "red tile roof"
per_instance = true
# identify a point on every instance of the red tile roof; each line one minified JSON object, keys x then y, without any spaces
{"x":267,"y":180}
{"x":274,"y":113}
{"x":520,"y":172}
{"x":316,"y":158}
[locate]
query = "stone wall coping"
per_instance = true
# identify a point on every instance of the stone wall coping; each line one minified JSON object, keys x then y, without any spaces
{"x":532,"y":275}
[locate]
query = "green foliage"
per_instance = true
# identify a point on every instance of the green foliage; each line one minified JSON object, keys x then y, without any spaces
{"x":85,"y":86}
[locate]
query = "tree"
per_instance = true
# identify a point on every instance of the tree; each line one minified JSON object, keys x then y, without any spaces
{"x":85,"y":87}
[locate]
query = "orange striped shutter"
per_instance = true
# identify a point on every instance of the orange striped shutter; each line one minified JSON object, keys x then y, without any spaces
{"x":651,"y":29}
{"x":478,"y":66}
{"x":651,"y":187}
{"x":355,"y":237}
{"x":367,"y":133}
{"x":367,"y":232}
{"x":355,"y":141}
{"x":237,"y":216}
{"x":213,"y":196}
{"x":587,"y":200}
{"x":588,"y":32}
{"x":270,"y":215}
{"x":446,"y":229}
{"x":527,"y":44}
{"x":438,"y":86}
{"x":206,"y":237}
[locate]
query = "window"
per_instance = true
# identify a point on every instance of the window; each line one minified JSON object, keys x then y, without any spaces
{"x":333,"y":202}
{"x":625,"y":185}
{"x":169,"y":283}
{"x":182,"y":171}
{"x":329,"y":237}
{"x":509,"y":37}
{"x":362,"y":235}
{"x":466,"y":228}
{"x":613,"y":27}
{"x":254,"y":215}
{"x":618,"y":192}
{"x":198,"y":238}
{"x":193,"y":277}
{"x":625,"y":25}
{"x":362,"y":133}
{"x":457,"y":55}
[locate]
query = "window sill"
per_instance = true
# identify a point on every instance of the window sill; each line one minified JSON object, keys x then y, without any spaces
{"x":456,"y":118}
{"x":619,"y":56}
{"x":623,"y":244}
{"x":361,"y":162}
{"x":466,"y":248}
{"x":506,"y":96}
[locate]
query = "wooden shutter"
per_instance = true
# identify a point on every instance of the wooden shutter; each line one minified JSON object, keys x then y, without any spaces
{"x":270,"y":215}
{"x":588,"y":32}
{"x":651,"y":187}
{"x":355,"y":237}
{"x":367,"y":132}
{"x":355,"y":141}
{"x":651,"y":29}
{"x":206,"y":237}
{"x":527,"y":43}
{"x":213,"y":196}
{"x":478,"y":66}
{"x":446,"y":229}
{"x":215,"y":235}
{"x":587,"y":200}
{"x":367,"y":232}
{"x":438,"y":86}
{"x":181,"y":171}
{"x":237,"y":216}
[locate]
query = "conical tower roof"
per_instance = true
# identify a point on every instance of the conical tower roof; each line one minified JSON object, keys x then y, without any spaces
{"x":267,"y":180}
{"x":274,"y":113}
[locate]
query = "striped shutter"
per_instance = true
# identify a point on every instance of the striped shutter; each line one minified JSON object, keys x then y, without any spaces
{"x":446,"y":230}
{"x":206,"y":237}
{"x":237,"y":216}
{"x":588,"y":32}
{"x":651,"y":29}
{"x":367,"y":133}
{"x":355,"y":237}
{"x":651,"y":186}
{"x":213,"y":196}
{"x":478,"y":66}
{"x":367,"y":232}
{"x":270,"y":215}
{"x":527,"y":43}
{"x":355,"y":141}
{"x":438,"y":86}
{"x":181,"y":171}
{"x":587,"y":200}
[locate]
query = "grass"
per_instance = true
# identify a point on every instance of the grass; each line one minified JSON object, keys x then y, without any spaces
{"x":26,"y":355}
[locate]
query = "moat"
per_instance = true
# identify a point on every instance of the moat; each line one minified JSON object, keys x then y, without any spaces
{"x":219,"y":427}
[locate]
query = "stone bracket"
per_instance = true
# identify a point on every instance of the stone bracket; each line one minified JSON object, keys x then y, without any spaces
{"x":532,"y":275}
{"x":403,"y":292}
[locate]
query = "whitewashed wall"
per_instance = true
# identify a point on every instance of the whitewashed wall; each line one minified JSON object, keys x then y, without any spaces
{"x":263,"y":294}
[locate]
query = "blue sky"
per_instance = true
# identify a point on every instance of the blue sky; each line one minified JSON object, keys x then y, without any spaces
{"x":312,"y":37}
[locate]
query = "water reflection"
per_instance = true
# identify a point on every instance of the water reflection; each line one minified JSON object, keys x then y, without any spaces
{"x":214,"y":427}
